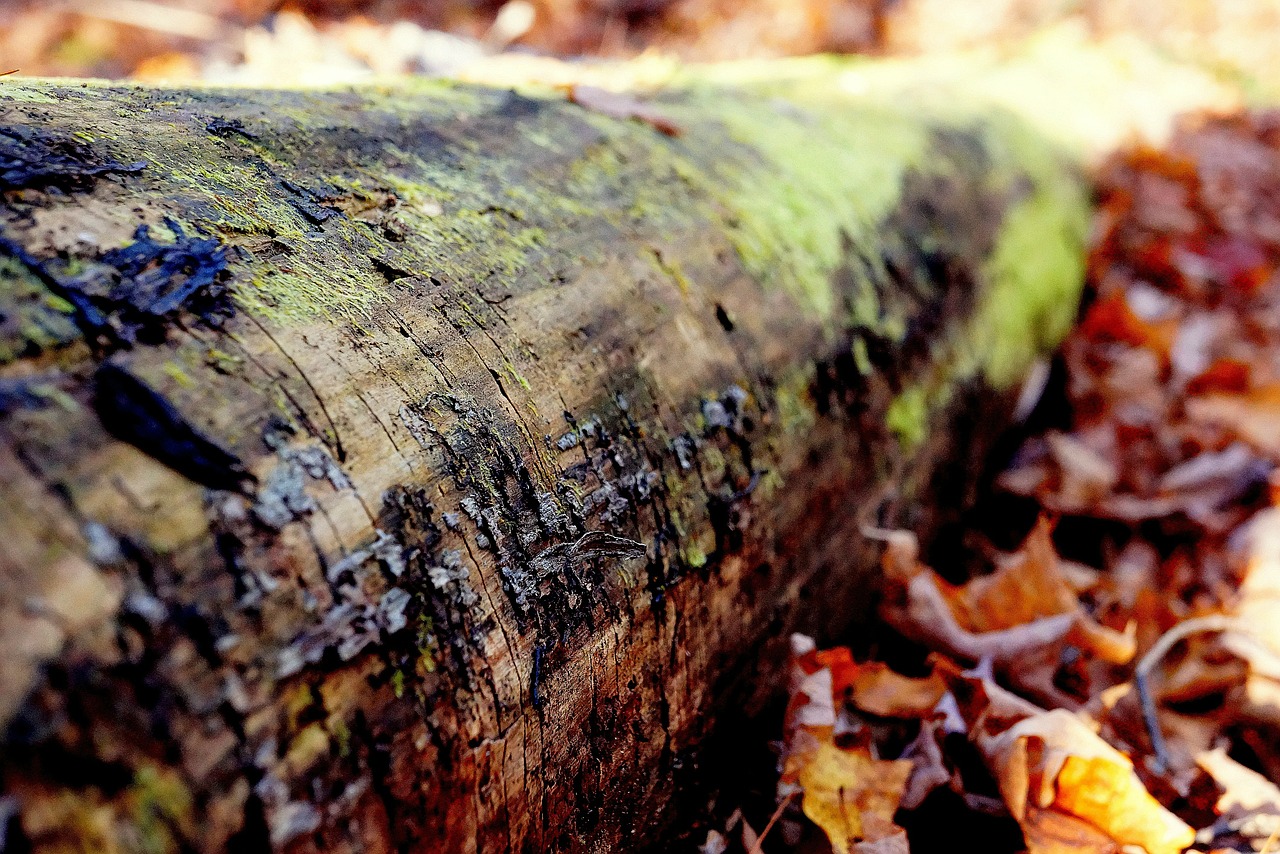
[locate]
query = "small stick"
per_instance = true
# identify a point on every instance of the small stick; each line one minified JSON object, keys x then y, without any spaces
{"x":773,"y":819}
{"x":1142,"y":672}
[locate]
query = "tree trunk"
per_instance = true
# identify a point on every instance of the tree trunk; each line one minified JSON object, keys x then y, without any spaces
{"x":432,"y":468}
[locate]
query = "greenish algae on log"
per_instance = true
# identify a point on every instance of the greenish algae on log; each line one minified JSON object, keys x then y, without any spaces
{"x":432,"y":466}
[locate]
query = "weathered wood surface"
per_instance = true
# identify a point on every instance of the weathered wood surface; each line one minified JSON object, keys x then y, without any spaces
{"x":429,"y":468}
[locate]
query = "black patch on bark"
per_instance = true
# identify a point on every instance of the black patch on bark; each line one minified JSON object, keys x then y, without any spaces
{"x":132,"y":293}
{"x":132,"y":412}
{"x":722,"y":317}
{"x":924,"y":270}
{"x":309,"y":203}
{"x":158,"y":278}
{"x":227,"y":128}
{"x":33,"y":160}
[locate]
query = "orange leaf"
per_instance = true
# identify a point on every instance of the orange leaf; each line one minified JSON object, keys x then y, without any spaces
{"x":1111,"y":319}
{"x":1026,"y":587}
{"x":1053,"y":760}
{"x":876,"y":688}
{"x":1227,"y":375}
{"x":1108,"y":795}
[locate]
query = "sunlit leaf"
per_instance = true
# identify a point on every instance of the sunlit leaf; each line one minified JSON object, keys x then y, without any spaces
{"x":845,"y":789}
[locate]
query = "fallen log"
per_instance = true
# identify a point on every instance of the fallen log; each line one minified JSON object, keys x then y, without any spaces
{"x":430,"y":467}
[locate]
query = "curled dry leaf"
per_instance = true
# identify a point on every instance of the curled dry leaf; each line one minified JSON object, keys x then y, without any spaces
{"x":619,"y":105}
{"x":1249,"y":802}
{"x":1028,"y":604}
{"x":1053,"y":832}
{"x":877,"y":689}
{"x":930,"y":771}
{"x":1054,"y":762}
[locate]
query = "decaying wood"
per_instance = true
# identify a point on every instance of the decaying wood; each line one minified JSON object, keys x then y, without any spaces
{"x":431,"y":468}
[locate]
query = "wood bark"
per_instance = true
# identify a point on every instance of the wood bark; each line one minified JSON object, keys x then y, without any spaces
{"x":435,"y":468}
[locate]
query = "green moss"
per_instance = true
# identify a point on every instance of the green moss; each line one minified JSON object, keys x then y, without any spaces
{"x":159,"y":804}
{"x":1035,"y":274}
{"x":516,"y":375}
{"x":307,"y":747}
{"x":671,"y":269}
{"x":58,"y":304}
{"x":908,"y":416}
{"x":14,"y":89}
{"x":30,"y":316}
{"x":397,"y":683}
{"x":223,"y":361}
{"x":178,"y":375}
{"x":428,"y":646}
{"x":793,"y":401}
{"x":299,"y":699}
{"x":824,"y":176}
{"x":693,"y":555}
{"x":342,"y":734}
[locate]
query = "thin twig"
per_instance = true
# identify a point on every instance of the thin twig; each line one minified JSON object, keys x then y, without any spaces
{"x":1142,"y":672}
{"x":773,"y":819}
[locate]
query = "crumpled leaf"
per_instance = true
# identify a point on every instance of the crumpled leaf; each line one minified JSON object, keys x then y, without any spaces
{"x":1249,"y":801}
{"x":930,"y":770}
{"x":1054,"y":832}
{"x":1026,"y":605}
{"x":847,"y":792}
{"x":1054,"y":761}
{"x":620,"y":105}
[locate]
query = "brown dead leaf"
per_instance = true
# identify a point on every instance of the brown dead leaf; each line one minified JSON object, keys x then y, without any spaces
{"x":619,"y":105}
{"x":1026,"y":586}
{"x":1254,"y":417}
{"x":1054,"y":761}
{"x":1249,"y":801}
{"x":1027,"y":604}
{"x":1053,"y":832}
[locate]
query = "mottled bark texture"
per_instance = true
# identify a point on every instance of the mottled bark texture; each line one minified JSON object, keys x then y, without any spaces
{"x":431,"y":468}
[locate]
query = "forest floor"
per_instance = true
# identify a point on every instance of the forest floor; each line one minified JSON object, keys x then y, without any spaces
{"x":1093,"y":663}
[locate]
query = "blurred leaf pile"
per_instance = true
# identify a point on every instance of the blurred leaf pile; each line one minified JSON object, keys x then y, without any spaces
{"x":1131,"y":702}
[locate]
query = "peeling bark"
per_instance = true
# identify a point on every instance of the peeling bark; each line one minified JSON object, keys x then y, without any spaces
{"x":430,"y":469}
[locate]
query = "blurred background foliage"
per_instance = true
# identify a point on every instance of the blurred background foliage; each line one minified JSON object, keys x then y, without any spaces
{"x":291,"y":42}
